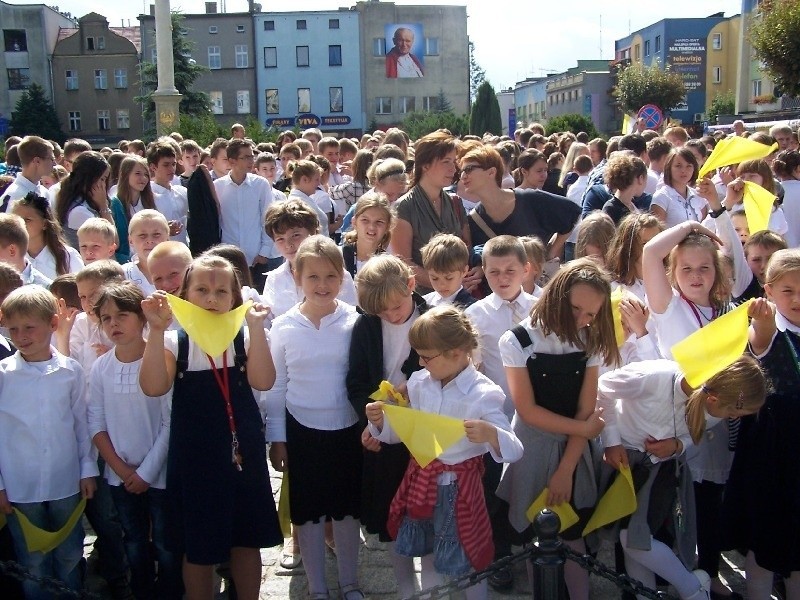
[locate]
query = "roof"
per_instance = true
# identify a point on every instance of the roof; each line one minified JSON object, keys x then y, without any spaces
{"x":133,"y":34}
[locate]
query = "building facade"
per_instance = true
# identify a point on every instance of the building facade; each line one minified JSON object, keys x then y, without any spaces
{"x":29,"y":33}
{"x":584,"y":90}
{"x":308,"y":72}
{"x":95,"y":80}
{"x":223,"y":42}
{"x":412,"y":57}
{"x":530,"y":101}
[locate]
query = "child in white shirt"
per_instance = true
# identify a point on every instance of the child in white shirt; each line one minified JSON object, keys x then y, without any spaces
{"x":147,"y":229}
{"x":446,"y":259}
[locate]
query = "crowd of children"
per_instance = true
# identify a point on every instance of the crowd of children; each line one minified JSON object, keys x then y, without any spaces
{"x":109,"y":407}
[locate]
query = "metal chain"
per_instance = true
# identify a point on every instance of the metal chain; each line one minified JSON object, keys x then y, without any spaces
{"x":48,"y":584}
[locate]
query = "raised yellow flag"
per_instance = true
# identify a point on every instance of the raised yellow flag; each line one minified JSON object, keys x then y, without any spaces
{"x":626,"y":124}
{"x":40,"y":540}
{"x":732,"y":151}
{"x":619,"y":331}
{"x":565,"y":512}
{"x":387,"y":393}
{"x":712,"y":348}
{"x":619,"y":501}
{"x":426,"y":435}
{"x":213,"y":332}
{"x":758,"y":205}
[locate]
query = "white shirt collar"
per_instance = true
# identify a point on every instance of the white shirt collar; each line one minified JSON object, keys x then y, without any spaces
{"x":782,"y":324}
{"x":56,"y":361}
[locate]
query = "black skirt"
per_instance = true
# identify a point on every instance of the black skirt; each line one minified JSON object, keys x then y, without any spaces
{"x":324,"y":472}
{"x":383,"y":472}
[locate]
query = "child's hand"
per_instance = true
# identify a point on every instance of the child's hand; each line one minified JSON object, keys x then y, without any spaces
{"x":663,"y":448}
{"x":66,"y":317}
{"x":175,"y":227}
{"x":634,"y":316}
{"x":734,"y":192}
{"x":727,"y":174}
{"x":88,"y":487}
{"x":481,"y":432}
{"x":473,"y":278}
{"x":761,"y":310}
{"x":375,"y":414}
{"x":278,"y":456}
{"x":616,"y":456}
{"x":134,"y":484}
{"x":706,"y":189}
{"x":100,"y":349}
{"x":559,"y":487}
{"x":369,"y":442}
{"x":256,"y":315}
{"x":157,"y":311}
{"x":594,"y":424}
{"x":5,"y":505}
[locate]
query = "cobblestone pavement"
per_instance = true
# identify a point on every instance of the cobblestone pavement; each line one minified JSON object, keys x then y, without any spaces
{"x":377,"y":579}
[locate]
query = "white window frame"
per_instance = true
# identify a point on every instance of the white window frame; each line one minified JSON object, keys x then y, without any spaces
{"x":100,"y":79}
{"x":214,"y":57}
{"x":716,"y":41}
{"x":123,"y":118}
{"x":379,"y":46}
{"x":71,"y":77}
{"x":274,"y":53}
{"x":120,"y":78}
{"x":403,"y":104}
{"x":217,"y":106}
{"x":74,"y":120}
{"x":716,"y":75}
{"x":104,"y":120}
{"x":431,"y":46}
{"x":427,"y":101}
{"x":243,"y":102}
{"x":383,"y":105}
{"x":298,"y":52}
{"x":242,"y":61}
{"x":756,"y":87}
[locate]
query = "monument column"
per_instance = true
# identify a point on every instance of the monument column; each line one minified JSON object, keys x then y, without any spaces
{"x":166,"y":97}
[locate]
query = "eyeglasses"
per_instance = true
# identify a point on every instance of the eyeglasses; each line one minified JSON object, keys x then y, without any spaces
{"x":470,"y":168}
{"x":247,"y":157}
{"x":428,"y":359}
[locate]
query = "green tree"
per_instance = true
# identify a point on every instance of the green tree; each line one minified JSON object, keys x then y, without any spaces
{"x":443,"y":104}
{"x":187,"y":71}
{"x":775,"y":37}
{"x":722,"y":104}
{"x":638,"y":85}
{"x":485,"y":114}
{"x":418,"y":124}
{"x":476,"y":74}
{"x":572,"y":122}
{"x":34,"y":114}
{"x":203,"y":129}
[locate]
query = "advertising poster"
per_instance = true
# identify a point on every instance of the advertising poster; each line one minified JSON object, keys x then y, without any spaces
{"x":687,"y":57}
{"x":405,"y":46}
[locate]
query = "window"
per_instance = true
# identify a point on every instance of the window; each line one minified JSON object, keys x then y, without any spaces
{"x":431,"y":46}
{"x":241,"y":56}
{"x":72,"y":79}
{"x":406,"y":104}
{"x":120,"y":78}
{"x":383,"y":105}
{"x":101,"y":42}
{"x":637,"y":52}
{"x":378,"y":46}
{"x":103,"y":120}
{"x":18,"y":79}
{"x":756,"y":87}
{"x":216,"y":102}
{"x":214,"y":57}
{"x":717,"y":74}
{"x":430,"y":103}
{"x":153,"y":54}
{"x":301,"y":24}
{"x":647,"y":48}
{"x":716,"y":41}
{"x":74,"y":118}
{"x":243,"y":102}
{"x":303,"y":100}
{"x":269,"y":25}
{"x":212,"y":29}
{"x":273,"y":104}
{"x":240,"y":29}
{"x":15,"y":40}
{"x":658,"y":43}
{"x":100,"y":79}
{"x":302,"y":56}
{"x":333,"y":23}
{"x":336,"y":99}
{"x":123,"y":118}
{"x":270,"y":57}
{"x":90,"y":43}
{"x":335,"y":56}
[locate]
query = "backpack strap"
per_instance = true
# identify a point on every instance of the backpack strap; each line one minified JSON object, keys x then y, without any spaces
{"x":239,"y":350}
{"x":481,"y":223}
{"x":182,"y":360}
{"x":522,"y":335}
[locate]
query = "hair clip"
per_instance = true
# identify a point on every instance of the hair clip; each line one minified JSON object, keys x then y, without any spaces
{"x":706,"y":389}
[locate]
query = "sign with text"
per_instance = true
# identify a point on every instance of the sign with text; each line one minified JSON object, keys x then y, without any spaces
{"x":307,"y":120}
{"x":687,"y":57}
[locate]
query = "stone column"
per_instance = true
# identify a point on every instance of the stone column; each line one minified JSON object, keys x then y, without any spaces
{"x":166,"y":97}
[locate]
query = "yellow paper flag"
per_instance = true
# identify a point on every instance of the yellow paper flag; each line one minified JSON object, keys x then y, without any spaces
{"x":619,"y":501}
{"x":40,"y":540}
{"x":712,"y":348}
{"x":758,"y":204}
{"x":211,"y":331}
{"x":565,"y":512}
{"x":387,"y":393}
{"x":284,"y":514}
{"x":619,"y":332}
{"x":626,"y":124}
{"x":426,"y":435}
{"x":734,"y":150}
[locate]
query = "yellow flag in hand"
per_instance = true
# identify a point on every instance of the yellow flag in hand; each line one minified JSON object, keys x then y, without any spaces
{"x":712,"y":348}
{"x":619,"y":501}
{"x":619,"y":332}
{"x":732,"y":151}
{"x":565,"y":512}
{"x":41,"y":540}
{"x":387,"y":393}
{"x":758,"y":204}
{"x":211,"y":331}
{"x":426,"y":435}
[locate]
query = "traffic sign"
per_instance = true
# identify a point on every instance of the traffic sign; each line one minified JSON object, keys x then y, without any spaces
{"x":652,"y":115}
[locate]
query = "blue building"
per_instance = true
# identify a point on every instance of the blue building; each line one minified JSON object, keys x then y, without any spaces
{"x":530,"y":99}
{"x":309,"y":70}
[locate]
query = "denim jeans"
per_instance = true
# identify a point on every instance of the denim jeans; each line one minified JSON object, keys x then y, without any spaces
{"x":61,"y":562}
{"x":103,"y":517}
{"x":143,"y":515}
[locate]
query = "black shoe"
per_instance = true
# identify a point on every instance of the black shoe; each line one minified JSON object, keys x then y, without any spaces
{"x":502,"y":580}
{"x":120,"y":590}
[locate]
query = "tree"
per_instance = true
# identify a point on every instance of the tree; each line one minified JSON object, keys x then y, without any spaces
{"x":485,"y":114}
{"x":574,"y":123}
{"x":775,"y":38}
{"x":476,"y":74}
{"x":638,"y":85}
{"x":722,"y":104}
{"x":187,"y":71}
{"x":443,"y":104}
{"x":34,"y":114}
{"x":418,"y":124}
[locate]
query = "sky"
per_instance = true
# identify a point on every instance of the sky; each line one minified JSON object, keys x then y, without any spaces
{"x":514,"y":39}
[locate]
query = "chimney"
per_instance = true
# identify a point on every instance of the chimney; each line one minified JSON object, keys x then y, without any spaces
{"x":211,"y":8}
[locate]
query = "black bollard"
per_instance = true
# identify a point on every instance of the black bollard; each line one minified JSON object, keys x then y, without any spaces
{"x":548,"y":562}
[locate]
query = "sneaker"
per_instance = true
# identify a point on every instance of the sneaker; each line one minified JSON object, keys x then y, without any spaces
{"x":705,"y":584}
{"x":502,"y":580}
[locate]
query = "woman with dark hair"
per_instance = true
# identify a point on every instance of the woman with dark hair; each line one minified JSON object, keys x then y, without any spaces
{"x":787,"y":167}
{"x":427,"y":209}
{"x":83,"y":194}
{"x":677,"y":201}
